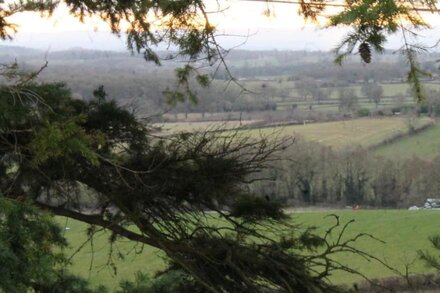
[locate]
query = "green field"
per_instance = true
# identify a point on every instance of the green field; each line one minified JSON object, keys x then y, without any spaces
{"x":365,"y":132}
{"x":92,"y":261}
{"x":404,"y":232}
{"x":425,"y":144}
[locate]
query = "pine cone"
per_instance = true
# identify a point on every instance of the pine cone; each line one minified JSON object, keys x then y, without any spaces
{"x":365,"y":52}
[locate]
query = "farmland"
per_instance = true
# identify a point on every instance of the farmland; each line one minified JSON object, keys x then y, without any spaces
{"x":425,"y":145}
{"x":339,"y":134}
{"x":404,"y":232}
{"x":393,"y":94}
{"x":195,"y":126}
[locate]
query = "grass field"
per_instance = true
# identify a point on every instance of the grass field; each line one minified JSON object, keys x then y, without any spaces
{"x":96,"y":265}
{"x":340,"y":134}
{"x":404,"y":232}
{"x":365,"y":132}
{"x":195,"y":126}
{"x":425,"y":144}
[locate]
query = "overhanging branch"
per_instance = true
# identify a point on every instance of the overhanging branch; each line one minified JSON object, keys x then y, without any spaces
{"x":99,"y":221}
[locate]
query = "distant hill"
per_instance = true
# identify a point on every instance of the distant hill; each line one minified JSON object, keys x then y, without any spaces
{"x":82,"y":54}
{"x":18,"y":51}
{"x":10,"y":53}
{"x":73,"y":53}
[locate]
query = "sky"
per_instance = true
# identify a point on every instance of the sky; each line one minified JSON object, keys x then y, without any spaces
{"x":283,"y":30}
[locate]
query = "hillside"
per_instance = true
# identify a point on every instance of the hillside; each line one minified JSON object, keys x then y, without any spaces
{"x":425,"y":144}
{"x":340,"y":134}
{"x":365,"y":132}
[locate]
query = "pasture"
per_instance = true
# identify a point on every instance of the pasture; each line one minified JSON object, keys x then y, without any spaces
{"x":197,"y":126}
{"x":287,"y":97}
{"x":393,"y":94}
{"x":425,"y":144}
{"x":339,"y":134}
{"x":403,"y":232}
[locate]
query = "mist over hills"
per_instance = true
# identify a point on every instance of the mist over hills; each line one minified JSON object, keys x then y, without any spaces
{"x":9,"y":52}
{"x":294,"y":38}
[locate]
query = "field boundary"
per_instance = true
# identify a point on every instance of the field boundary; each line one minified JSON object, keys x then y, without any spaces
{"x":401,"y":135}
{"x":412,"y":283}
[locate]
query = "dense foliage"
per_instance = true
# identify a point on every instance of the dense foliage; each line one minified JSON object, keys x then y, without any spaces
{"x":31,"y":252}
{"x":27,"y":242}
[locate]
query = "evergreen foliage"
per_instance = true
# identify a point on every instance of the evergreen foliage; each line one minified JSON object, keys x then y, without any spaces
{"x":28,"y":240}
{"x":31,"y":246}
{"x":429,"y":259}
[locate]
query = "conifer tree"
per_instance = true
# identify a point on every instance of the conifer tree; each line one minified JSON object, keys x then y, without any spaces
{"x":185,"y":194}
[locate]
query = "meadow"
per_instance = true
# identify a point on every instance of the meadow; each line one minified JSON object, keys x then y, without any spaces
{"x":200,"y":125}
{"x":403,"y":233}
{"x":365,"y":132}
{"x":338,"y":134}
{"x":425,"y":144}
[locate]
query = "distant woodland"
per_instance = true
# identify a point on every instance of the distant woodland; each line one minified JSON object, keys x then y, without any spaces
{"x":269,"y":85}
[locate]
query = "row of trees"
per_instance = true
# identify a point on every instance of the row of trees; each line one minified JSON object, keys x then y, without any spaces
{"x":317,"y":65}
{"x":314,"y":174}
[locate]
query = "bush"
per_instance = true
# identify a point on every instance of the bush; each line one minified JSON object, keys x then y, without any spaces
{"x":363,"y":112}
{"x":395,"y":110}
{"x":254,"y":207}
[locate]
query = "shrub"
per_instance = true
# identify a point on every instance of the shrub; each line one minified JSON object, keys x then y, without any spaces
{"x":363,"y":112}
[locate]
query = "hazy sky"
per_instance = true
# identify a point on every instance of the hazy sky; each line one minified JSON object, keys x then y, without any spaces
{"x":283,"y":30}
